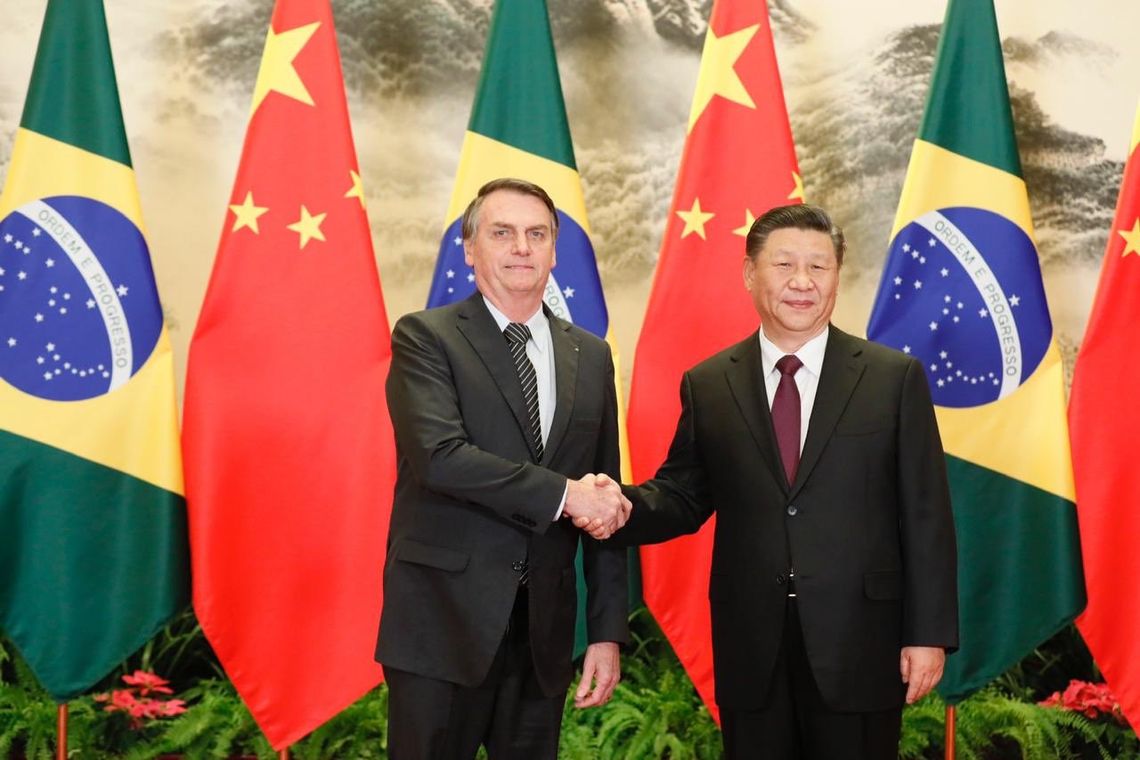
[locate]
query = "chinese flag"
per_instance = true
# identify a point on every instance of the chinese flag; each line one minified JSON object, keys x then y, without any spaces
{"x":1103,"y":420}
{"x":289,"y":453}
{"x":739,"y":161}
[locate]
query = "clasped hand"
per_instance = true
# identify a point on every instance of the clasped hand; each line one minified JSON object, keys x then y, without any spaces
{"x":596,"y":505}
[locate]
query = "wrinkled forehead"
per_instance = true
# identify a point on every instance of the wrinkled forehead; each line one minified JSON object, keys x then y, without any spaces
{"x":508,"y":208}
{"x":793,"y":242}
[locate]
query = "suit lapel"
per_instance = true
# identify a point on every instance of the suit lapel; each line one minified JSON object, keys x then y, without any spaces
{"x":481,"y":331}
{"x":842,"y":368}
{"x":745,"y":377}
{"x":566,"y":355}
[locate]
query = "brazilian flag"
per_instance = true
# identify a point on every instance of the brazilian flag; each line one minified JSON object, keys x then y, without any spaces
{"x":93,"y":554}
{"x":962,"y":292}
{"x":518,"y":128}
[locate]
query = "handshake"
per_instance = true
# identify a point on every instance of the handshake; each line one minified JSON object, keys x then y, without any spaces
{"x":596,"y":505}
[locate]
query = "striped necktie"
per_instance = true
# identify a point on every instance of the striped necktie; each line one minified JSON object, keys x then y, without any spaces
{"x":517,"y":335}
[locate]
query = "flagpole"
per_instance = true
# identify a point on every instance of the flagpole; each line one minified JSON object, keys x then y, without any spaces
{"x":951,"y":721}
{"x":61,"y":732}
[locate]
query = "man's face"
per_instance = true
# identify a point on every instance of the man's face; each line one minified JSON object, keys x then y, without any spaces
{"x":512,"y":250}
{"x":793,"y":280}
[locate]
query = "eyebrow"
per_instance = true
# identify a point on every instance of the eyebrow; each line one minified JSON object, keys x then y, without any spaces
{"x":806,"y":254}
{"x":509,"y":226}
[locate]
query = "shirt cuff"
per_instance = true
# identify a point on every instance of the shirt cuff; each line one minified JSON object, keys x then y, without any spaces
{"x":562,"y":505}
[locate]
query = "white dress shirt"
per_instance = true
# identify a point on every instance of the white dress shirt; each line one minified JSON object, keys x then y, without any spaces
{"x":806,"y":377}
{"x":540,"y":351}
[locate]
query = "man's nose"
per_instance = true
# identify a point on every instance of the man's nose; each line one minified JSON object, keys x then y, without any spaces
{"x":801,"y":280}
{"x":522,"y":243}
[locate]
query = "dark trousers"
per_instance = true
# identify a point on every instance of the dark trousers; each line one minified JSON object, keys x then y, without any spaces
{"x":795,"y":724}
{"x":507,"y":713}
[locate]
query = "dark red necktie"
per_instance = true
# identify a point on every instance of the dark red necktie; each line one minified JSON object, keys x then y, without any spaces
{"x":786,"y":414}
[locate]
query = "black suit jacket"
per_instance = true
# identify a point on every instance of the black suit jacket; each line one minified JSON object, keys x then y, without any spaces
{"x":470,"y":503}
{"x":867,"y":522}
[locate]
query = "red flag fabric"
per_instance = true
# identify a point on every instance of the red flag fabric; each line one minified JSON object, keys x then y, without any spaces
{"x":289,"y":453}
{"x":739,"y":161}
{"x":1103,"y":420}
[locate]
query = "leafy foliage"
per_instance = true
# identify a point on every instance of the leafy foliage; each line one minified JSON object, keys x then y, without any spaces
{"x":655,"y":713}
{"x":216,"y":725}
{"x":992,"y":724}
{"x":360,"y":731}
{"x":28,"y":714}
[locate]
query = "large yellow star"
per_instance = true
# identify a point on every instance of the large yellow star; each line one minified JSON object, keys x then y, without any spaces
{"x":1131,"y":238}
{"x":717,"y":75}
{"x":798,"y":190}
{"x":308,"y":226}
{"x":247,"y":214}
{"x":277,"y":73}
{"x":695,"y":219}
{"x":357,"y":189}
{"x":748,"y":220}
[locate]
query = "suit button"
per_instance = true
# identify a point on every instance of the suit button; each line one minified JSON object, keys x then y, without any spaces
{"x":518,"y":565}
{"x":792,"y":510}
{"x":780,"y":578}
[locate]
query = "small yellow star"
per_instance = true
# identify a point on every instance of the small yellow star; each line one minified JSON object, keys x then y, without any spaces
{"x":748,"y":220}
{"x":695,"y":219}
{"x":717,"y":75}
{"x":357,"y":189}
{"x":308,"y":226}
{"x":277,"y":73}
{"x":247,"y":214}
{"x":1131,"y":238}
{"x":798,"y":190}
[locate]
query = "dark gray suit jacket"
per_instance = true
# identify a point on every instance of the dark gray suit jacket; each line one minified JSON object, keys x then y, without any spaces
{"x":470,"y":503}
{"x":867,"y":521}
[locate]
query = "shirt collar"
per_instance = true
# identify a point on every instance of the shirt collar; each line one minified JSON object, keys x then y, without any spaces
{"x":538,"y":323}
{"x":810,"y":353}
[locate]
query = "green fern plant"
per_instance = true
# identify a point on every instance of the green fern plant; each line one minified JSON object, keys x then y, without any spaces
{"x":215,"y":725}
{"x":27,"y":713}
{"x":27,"y":723}
{"x":360,"y":731}
{"x":28,"y":716}
{"x":991,"y":721}
{"x":655,"y":714}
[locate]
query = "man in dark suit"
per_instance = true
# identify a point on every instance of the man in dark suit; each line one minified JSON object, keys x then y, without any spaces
{"x":833,"y":585}
{"x":499,"y":408}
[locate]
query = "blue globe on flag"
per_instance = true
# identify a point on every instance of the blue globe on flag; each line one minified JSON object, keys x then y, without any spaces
{"x":957,"y":295}
{"x":79,"y":314}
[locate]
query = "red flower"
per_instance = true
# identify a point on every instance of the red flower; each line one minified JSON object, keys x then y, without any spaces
{"x":121,"y":699}
{"x":171,"y":707}
{"x":147,"y":682}
{"x":1090,"y":699}
{"x":137,"y":702}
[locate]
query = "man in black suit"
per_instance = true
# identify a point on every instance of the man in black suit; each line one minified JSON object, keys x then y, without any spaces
{"x":500,"y":409}
{"x":833,"y":586}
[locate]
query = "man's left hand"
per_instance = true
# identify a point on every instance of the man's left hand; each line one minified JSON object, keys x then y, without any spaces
{"x":595,"y":527}
{"x":601,"y":671}
{"x":921,"y":669}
